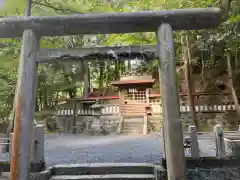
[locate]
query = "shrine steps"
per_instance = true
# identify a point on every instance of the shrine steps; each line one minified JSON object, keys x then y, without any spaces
{"x":132,"y":125}
{"x":113,"y":171}
{"x":108,"y":176}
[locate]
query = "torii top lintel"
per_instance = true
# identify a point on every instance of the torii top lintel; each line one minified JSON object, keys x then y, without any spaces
{"x":111,"y":23}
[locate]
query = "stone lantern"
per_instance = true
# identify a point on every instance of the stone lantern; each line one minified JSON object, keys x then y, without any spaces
{"x":97,"y":109}
{"x":96,"y":124}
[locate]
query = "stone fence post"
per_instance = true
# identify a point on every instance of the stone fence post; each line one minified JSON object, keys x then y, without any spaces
{"x":38,"y":143}
{"x":120,"y":125}
{"x":37,"y":147}
{"x":219,"y":139}
{"x":145,"y":125}
{"x":194,"y":141}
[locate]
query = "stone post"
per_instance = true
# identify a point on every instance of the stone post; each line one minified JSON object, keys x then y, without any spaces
{"x":45,"y":124}
{"x":219,"y":139}
{"x":145,"y":125}
{"x":120,"y":126}
{"x":37,"y":146}
{"x":194,"y":141}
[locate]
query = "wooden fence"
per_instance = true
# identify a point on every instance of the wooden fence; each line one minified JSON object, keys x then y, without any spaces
{"x":156,"y":108}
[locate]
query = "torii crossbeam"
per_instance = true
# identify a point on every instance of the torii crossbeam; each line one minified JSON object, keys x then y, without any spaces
{"x":162,"y":22}
{"x":119,"y":53}
{"x":111,"y":23}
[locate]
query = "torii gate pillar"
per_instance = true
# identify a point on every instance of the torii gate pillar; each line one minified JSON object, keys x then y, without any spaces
{"x":173,"y":136}
{"x":25,"y":107}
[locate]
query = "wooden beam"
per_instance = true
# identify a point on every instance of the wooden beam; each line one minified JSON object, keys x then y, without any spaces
{"x":173,"y":136}
{"x":111,"y":23}
{"x":98,"y":53}
{"x":26,"y":98}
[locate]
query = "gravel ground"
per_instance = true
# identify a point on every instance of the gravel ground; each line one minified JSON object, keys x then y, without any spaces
{"x":73,"y":149}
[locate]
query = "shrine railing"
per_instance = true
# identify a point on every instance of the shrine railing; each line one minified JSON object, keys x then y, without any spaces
{"x":109,"y":109}
{"x":204,"y":103}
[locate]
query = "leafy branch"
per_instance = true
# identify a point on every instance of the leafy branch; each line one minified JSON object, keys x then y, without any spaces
{"x":46,"y":4}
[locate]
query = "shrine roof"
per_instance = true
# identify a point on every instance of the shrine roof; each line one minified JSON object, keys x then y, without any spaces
{"x":132,"y":82}
{"x":111,"y":23}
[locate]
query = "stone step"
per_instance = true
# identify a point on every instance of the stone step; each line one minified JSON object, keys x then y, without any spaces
{"x":103,"y":168}
{"x":133,"y":129}
{"x":132,"y":122}
{"x":106,"y":176}
{"x":133,"y":125}
{"x":131,"y":132}
{"x":155,"y":119}
{"x":127,"y":129}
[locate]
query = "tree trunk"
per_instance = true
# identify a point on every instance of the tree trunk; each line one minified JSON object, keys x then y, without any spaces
{"x":230,"y":81}
{"x":203,"y":68}
{"x":129,"y":66}
{"x":86,"y":80}
{"x":236,"y":60}
{"x":40,"y":100}
{"x":45,"y":98}
{"x":122,"y":67}
{"x":117,"y":70}
{"x":188,"y":78}
{"x":101,"y":69}
{"x":108,"y":73}
{"x":89,"y":79}
{"x":37,"y":105}
{"x":57,"y":97}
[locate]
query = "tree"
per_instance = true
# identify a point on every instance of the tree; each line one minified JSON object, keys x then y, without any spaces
{"x":56,"y":79}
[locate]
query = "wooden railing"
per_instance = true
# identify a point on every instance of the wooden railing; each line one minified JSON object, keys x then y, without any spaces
{"x":204,"y":103}
{"x":155,"y":109}
{"x":209,"y":102}
{"x":110,"y":109}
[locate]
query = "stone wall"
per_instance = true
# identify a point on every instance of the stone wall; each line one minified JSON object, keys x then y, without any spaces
{"x":229,"y":120}
{"x":64,"y":124}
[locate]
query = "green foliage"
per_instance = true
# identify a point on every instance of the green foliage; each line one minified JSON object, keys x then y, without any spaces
{"x":56,"y":79}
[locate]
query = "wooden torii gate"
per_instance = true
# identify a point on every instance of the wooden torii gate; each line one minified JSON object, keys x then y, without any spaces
{"x":162,"y":22}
